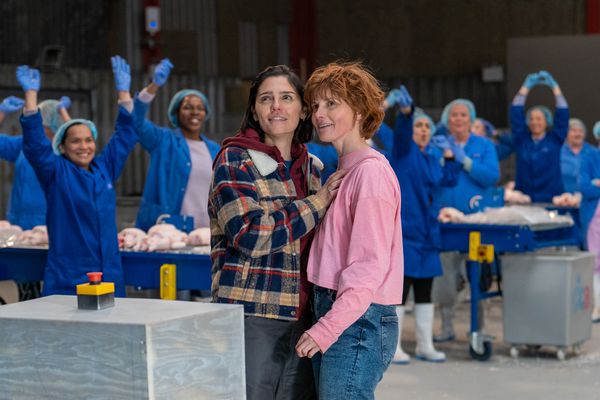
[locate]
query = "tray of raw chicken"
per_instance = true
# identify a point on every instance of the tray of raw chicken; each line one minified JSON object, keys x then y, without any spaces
{"x":161,"y":238}
{"x":165,"y":238}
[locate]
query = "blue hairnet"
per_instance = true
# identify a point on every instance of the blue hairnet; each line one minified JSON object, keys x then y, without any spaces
{"x":576,"y":122}
{"x":57,"y":139}
{"x":488,"y":126}
{"x":468,"y":103}
{"x":419,"y":115}
{"x":596,"y":130}
{"x":50,"y":116}
{"x":547,"y":115}
{"x":176,"y":102}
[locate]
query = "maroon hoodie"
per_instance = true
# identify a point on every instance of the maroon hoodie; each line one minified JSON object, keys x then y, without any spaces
{"x":250,"y":139}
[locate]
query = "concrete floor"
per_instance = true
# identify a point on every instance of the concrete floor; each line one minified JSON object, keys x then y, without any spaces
{"x":531,"y":376}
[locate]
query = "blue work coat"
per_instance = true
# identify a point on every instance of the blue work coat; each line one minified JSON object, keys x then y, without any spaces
{"x":169,"y":170}
{"x":505,"y":145}
{"x":419,"y":174}
{"x":589,"y":170}
{"x":27,"y":205}
{"x":328,"y":156}
{"x":538,"y":163}
{"x":476,"y":188}
{"x":81,"y":223}
{"x":570,"y":164}
{"x":383,"y":138}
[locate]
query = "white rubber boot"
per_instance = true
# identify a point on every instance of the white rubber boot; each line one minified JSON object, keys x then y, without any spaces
{"x":400,"y":357}
{"x":424,"y":321}
{"x":596,"y":309}
{"x":447,"y":333}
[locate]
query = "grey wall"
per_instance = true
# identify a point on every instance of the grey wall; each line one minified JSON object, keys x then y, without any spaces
{"x":574,"y":61}
{"x":437,"y":37}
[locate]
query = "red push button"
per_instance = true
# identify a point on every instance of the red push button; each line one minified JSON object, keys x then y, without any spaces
{"x":94,"y":277}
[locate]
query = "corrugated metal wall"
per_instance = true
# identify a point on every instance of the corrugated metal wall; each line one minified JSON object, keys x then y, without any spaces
{"x":30,"y":25}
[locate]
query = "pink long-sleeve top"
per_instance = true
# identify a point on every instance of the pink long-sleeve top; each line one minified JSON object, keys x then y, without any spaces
{"x":357,"y":249}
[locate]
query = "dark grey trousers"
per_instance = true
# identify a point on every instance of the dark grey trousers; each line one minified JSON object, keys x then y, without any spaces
{"x":273,"y":370}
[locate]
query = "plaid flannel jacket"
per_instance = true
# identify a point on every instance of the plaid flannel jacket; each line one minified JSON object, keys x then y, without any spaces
{"x":256,"y":224}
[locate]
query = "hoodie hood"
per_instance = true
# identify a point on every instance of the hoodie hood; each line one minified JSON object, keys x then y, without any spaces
{"x":250,"y":139}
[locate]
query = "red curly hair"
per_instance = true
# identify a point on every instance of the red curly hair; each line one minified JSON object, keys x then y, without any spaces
{"x":353,"y":83}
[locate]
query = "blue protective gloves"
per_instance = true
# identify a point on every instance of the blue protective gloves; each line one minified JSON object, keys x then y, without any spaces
{"x":531,"y":80}
{"x":459,"y":152}
{"x":392,"y":97}
{"x":162,"y":71}
{"x":540,"y":78}
{"x":441,"y":142}
{"x":404,"y":100}
{"x":122,"y":73}
{"x":11,"y":104}
{"x":545,"y":78}
{"x":29,"y":78}
{"x":400,"y":97}
{"x":63,"y":103}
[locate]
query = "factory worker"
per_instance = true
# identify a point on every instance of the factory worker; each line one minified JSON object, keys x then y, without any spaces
{"x":27,"y":205}
{"x":596,"y":133}
{"x":571,"y":154}
{"x":538,"y":140}
{"x":181,"y":157}
{"x":589,"y":212}
{"x":79,"y":191}
{"x":502,"y":140}
{"x":476,"y":180}
{"x":484,"y":128}
{"x":419,"y":171}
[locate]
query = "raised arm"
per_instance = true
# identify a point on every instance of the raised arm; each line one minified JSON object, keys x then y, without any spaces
{"x":518,"y":121}
{"x":10,"y":146}
{"x":403,"y":129}
{"x":63,"y":105}
{"x":121,"y":143}
{"x":561,"y":113}
{"x":36,"y":146}
{"x":10,"y":105}
{"x":150,"y":133}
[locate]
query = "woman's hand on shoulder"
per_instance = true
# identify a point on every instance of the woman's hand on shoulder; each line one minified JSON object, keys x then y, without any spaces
{"x":329,"y":190}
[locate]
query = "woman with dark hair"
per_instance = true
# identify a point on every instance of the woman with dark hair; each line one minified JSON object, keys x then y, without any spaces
{"x":265,"y":201}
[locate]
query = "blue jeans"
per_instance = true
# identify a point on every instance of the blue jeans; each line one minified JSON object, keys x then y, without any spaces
{"x":353,"y":366}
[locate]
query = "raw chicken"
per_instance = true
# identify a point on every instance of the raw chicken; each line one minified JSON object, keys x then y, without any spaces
{"x":449,"y":214}
{"x":567,"y":200}
{"x":8,"y":233}
{"x":38,"y":236}
{"x":133,"y":239}
{"x":199,"y":237}
{"x":165,"y":237}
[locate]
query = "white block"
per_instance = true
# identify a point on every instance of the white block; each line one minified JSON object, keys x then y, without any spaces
{"x":138,"y":349}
